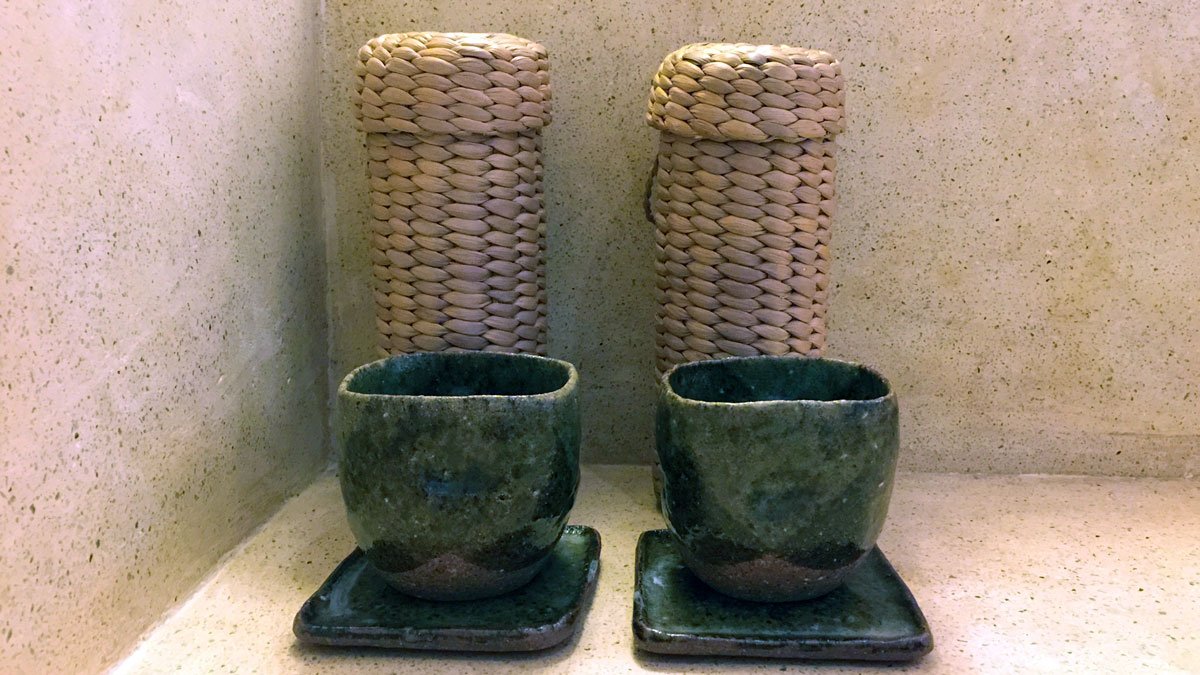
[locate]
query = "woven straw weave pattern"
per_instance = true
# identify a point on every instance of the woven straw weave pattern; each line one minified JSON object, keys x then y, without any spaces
{"x":453,"y":126}
{"x":742,"y":199}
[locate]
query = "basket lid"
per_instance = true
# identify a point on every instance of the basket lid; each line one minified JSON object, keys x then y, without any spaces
{"x":744,"y":92}
{"x":462,"y":84}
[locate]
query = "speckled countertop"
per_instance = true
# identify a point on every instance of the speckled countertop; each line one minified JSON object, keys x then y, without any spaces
{"x":1014,"y":573}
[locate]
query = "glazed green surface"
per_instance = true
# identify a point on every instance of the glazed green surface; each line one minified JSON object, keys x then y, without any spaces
{"x":871,"y":615}
{"x":461,"y":375}
{"x":776,"y":379}
{"x":774,"y":496}
{"x":459,"y":495}
{"x":357,"y":606}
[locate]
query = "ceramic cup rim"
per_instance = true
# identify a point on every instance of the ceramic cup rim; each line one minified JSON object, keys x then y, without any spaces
{"x":675,"y":398}
{"x":561,"y":392}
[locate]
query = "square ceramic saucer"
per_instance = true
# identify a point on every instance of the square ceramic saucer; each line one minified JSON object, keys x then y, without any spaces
{"x":871,"y":616}
{"x":355,"y":607}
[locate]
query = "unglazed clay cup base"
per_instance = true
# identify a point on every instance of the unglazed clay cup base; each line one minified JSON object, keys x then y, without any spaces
{"x":452,"y":577}
{"x":768,"y":578}
{"x":777,"y":471}
{"x":459,"y":468}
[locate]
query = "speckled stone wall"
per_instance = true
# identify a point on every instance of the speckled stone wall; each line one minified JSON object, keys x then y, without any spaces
{"x":1017,"y":244}
{"x":162,"y":310}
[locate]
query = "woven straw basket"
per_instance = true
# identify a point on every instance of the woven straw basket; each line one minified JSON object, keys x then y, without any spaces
{"x":742,"y":199}
{"x":453,"y":124}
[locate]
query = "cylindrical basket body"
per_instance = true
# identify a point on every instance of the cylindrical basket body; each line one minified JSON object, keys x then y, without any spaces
{"x":453,"y":124}
{"x":742,"y":199}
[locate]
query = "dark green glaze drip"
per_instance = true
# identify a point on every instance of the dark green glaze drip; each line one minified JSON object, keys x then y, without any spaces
{"x":459,"y":469}
{"x":778,"y":470}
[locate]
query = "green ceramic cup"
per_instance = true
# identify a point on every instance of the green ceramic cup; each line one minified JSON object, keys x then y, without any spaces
{"x":777,"y":471}
{"x":459,"y":468}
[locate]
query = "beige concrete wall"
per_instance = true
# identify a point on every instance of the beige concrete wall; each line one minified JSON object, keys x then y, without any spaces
{"x":1017,"y":245}
{"x":162,"y":340}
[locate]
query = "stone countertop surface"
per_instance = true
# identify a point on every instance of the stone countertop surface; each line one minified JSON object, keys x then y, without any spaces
{"x":1013,"y":573}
